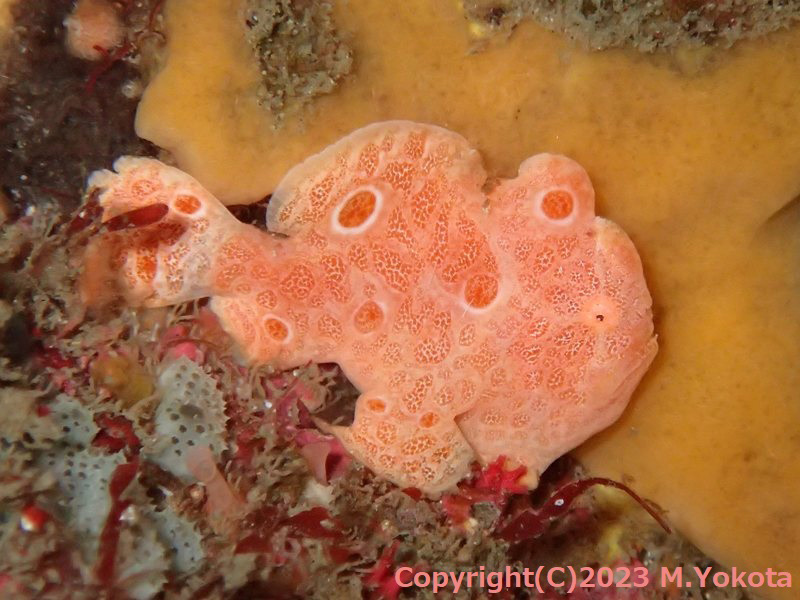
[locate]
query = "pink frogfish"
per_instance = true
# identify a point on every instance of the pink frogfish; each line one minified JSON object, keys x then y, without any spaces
{"x":474,"y":324}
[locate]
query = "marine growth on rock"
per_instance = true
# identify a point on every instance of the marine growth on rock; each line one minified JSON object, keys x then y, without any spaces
{"x":475,"y":324}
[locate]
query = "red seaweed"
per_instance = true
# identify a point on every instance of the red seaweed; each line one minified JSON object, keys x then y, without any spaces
{"x":494,"y":484}
{"x":316,"y":523}
{"x":382,"y":574}
{"x":52,"y":358}
{"x":109,"y":59}
{"x":414,"y":493}
{"x":116,"y":433}
{"x":532,"y":522}
{"x":89,"y":213}
{"x":497,"y":479}
{"x":248,"y":442}
{"x":263,"y":522}
{"x":122,"y":477}
{"x":310,"y":523}
{"x":291,"y":412}
{"x":457,"y":508}
{"x":383,"y":579}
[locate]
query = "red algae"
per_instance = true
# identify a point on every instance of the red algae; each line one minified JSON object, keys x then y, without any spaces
{"x":532,"y":523}
{"x":122,"y":477}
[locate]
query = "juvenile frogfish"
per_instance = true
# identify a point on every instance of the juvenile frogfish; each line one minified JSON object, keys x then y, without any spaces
{"x":473,"y":324}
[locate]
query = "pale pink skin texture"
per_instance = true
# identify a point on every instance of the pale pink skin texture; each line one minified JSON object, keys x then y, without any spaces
{"x":93,"y":24}
{"x":474,"y":327}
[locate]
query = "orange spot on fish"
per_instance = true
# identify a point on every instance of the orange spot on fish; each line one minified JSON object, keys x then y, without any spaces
{"x":557,"y":205}
{"x":276,"y":329}
{"x":187,"y":204}
{"x":357,"y":209}
{"x":481,"y":290}
{"x":368,"y":317}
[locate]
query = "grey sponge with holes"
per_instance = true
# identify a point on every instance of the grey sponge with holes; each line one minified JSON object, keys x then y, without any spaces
{"x":140,"y":562}
{"x":84,"y":478}
{"x":181,"y":537}
{"x":74,"y":420}
{"x":191,"y":414}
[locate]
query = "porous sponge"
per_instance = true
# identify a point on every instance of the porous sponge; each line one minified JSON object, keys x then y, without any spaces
{"x":191,"y":414}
